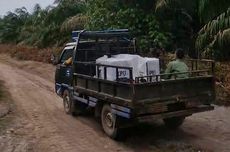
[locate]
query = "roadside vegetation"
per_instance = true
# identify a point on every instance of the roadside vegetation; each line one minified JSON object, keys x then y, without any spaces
{"x":25,"y":52}
{"x":202,"y":27}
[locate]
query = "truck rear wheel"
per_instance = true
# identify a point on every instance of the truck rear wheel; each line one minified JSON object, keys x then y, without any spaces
{"x":69,"y":105}
{"x":108,"y":120}
{"x":174,"y":123}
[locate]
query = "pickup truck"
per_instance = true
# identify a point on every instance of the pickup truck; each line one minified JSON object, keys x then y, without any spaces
{"x":120,"y":104}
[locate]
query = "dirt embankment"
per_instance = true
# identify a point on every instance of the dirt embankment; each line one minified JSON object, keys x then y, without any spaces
{"x":29,"y":53}
{"x":4,"y":101}
{"x":223,"y":84}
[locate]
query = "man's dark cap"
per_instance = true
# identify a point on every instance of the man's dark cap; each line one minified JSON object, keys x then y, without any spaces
{"x":180,"y":53}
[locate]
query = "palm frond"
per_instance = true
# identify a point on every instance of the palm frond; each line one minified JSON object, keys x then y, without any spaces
{"x":214,"y":31}
{"x":160,"y":4}
{"x":75,"y":22}
{"x":209,"y":9}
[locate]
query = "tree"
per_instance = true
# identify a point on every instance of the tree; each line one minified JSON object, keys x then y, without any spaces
{"x":10,"y":25}
{"x":156,"y":24}
{"x":136,"y":15}
{"x":180,"y":18}
{"x":211,"y":17}
{"x":214,"y":37}
{"x":43,"y":27}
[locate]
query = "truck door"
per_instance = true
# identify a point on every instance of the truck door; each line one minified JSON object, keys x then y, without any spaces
{"x":63,"y":73}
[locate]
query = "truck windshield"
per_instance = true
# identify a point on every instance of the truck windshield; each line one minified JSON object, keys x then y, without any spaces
{"x":67,"y":53}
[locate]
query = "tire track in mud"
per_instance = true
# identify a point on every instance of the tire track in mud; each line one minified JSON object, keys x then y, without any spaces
{"x":40,"y":107}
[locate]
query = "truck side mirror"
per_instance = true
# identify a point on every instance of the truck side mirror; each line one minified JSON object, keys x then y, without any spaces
{"x":54,"y":59}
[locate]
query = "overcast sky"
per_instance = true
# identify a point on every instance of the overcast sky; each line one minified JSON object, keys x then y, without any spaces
{"x":10,"y":5}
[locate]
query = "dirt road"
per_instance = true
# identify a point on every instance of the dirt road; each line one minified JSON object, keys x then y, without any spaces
{"x":41,"y":125}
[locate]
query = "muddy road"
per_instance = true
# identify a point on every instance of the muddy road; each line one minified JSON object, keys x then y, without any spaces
{"x":40,"y":123}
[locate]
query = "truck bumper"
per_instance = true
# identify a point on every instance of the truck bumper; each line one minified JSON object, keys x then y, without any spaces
{"x":186,"y":112}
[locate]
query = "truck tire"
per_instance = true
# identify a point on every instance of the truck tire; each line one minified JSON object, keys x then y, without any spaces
{"x":108,"y":121}
{"x":174,"y":123}
{"x":69,"y":105}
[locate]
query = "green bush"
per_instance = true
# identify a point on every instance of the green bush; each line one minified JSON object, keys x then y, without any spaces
{"x":143,"y":25}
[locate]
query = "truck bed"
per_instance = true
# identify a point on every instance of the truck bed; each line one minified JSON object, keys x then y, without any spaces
{"x":153,"y":98}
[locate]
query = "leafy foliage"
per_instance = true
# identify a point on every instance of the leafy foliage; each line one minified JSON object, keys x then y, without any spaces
{"x":214,"y":38}
{"x":132,"y":15}
{"x":210,"y":9}
{"x":11,"y":25}
{"x":180,"y":19}
{"x":167,"y":24}
{"x":43,"y":27}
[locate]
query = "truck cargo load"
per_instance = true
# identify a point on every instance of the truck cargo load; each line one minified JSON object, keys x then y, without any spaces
{"x":141,"y":66}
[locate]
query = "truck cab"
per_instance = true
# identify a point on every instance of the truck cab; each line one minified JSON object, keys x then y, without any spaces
{"x":64,"y":73}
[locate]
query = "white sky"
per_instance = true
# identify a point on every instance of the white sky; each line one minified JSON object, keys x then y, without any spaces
{"x":11,"y":5}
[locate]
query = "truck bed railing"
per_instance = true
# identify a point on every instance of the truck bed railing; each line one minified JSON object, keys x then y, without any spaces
{"x":207,"y":66}
{"x":194,"y":64}
{"x":163,"y":77}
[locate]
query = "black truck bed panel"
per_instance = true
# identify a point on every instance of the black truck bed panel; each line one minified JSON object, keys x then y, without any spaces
{"x":113,"y":92}
{"x":202,"y":87}
{"x":185,"y":112}
{"x":199,"y":88}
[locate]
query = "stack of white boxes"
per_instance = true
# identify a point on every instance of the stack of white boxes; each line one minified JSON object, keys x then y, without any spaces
{"x":141,"y":66}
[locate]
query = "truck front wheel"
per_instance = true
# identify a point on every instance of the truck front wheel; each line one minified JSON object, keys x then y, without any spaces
{"x":69,"y":105}
{"x":109,"y":121}
{"x":174,"y":123}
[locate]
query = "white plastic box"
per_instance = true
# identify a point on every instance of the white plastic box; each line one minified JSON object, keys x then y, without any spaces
{"x":149,"y":67}
{"x":141,"y":66}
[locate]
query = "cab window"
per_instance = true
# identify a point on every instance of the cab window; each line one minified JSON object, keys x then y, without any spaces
{"x":67,"y":53}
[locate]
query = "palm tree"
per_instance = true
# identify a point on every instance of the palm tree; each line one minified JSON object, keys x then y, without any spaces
{"x":214,"y":16}
{"x":10,"y":25}
{"x":214,"y":37}
{"x":78,"y":21}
